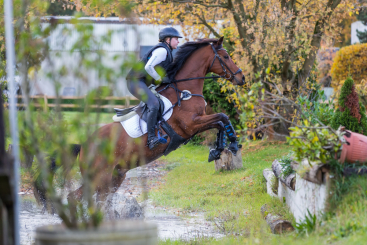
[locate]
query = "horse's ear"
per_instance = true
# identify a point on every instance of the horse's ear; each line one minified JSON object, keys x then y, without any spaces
{"x":220,"y":41}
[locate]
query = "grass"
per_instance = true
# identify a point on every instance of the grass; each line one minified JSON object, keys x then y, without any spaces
{"x":233,"y":199}
{"x":75,"y":135}
{"x":104,"y":117}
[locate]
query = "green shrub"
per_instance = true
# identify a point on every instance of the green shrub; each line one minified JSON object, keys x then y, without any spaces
{"x":308,"y":225}
{"x":351,"y":113}
{"x":316,"y":108}
{"x":285,"y":162}
{"x":218,"y":100}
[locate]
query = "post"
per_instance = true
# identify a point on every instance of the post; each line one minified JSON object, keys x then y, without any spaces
{"x":127,"y":101}
{"x":45,"y":107}
{"x":10,"y":65}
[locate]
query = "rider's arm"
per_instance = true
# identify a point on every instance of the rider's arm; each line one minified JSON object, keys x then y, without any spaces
{"x":158,"y":55}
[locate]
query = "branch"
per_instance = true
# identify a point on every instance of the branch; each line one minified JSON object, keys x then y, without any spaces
{"x":215,"y":33}
{"x":203,"y":4}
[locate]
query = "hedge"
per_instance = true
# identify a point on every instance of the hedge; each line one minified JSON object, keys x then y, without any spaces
{"x":350,"y":61}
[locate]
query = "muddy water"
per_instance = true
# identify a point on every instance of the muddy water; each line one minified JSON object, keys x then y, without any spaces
{"x":170,"y":225}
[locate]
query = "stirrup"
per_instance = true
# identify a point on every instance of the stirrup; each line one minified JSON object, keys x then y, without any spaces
{"x":156,"y":141}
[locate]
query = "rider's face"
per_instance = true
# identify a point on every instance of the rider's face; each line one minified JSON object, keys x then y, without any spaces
{"x":174,"y":42}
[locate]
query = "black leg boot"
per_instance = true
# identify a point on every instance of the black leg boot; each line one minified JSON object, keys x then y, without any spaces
{"x":214,"y":154}
{"x":233,"y":146}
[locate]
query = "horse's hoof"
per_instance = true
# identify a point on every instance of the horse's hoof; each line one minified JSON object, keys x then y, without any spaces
{"x":214,"y":154}
{"x":233,"y":147}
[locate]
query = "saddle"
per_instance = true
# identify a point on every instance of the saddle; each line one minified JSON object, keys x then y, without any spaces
{"x":141,"y":109}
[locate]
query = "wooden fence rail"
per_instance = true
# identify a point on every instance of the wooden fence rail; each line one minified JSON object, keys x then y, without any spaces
{"x":42,"y":101}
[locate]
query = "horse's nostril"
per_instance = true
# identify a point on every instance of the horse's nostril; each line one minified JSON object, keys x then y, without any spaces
{"x":243,"y":79}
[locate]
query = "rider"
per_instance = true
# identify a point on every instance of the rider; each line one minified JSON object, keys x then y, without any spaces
{"x":160,"y":55}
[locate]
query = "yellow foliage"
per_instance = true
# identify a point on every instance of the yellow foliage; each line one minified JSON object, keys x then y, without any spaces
{"x":350,"y":60}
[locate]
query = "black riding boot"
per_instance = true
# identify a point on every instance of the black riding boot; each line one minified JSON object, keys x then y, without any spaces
{"x":152,"y":118}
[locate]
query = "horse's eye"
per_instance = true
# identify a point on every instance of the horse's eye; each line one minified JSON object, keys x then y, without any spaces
{"x":226,"y":57}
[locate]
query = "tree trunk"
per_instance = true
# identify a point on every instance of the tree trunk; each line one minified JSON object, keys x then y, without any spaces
{"x":289,"y":181}
{"x":228,"y":161}
{"x":276,"y":223}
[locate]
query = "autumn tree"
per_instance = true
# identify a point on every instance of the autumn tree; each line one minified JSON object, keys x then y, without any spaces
{"x":274,"y":41}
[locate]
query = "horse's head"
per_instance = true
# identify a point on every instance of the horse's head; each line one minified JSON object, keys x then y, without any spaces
{"x":223,"y":65}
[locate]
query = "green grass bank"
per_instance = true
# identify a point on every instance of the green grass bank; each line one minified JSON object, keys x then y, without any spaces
{"x":233,"y":199}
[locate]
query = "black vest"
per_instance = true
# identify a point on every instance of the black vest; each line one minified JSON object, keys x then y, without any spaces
{"x":164,"y":64}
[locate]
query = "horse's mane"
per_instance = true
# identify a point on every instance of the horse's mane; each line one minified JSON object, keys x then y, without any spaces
{"x":184,"y":52}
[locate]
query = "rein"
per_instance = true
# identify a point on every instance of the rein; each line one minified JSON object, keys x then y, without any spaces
{"x":173,"y":84}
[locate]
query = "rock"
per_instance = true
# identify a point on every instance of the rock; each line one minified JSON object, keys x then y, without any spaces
{"x":118,"y":206}
{"x":228,"y":161}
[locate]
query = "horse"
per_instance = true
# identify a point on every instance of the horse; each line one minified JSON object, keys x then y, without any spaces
{"x":193,"y":61}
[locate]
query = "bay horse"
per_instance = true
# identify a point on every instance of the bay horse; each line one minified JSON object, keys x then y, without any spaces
{"x":192,"y":62}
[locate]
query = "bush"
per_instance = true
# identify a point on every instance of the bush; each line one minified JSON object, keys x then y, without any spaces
{"x":350,"y":60}
{"x":317,"y":108}
{"x":218,"y":100}
{"x":351,"y":113}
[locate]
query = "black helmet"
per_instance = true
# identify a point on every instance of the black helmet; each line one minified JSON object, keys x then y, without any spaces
{"x":168,"y":32}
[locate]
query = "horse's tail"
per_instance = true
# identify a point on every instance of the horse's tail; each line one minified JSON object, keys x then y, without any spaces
{"x":39,"y":189}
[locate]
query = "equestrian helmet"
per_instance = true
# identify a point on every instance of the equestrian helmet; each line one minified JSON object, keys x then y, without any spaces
{"x":168,"y":32}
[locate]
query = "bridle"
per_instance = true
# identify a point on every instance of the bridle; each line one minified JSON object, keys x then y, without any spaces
{"x":173,"y":84}
{"x":223,"y":65}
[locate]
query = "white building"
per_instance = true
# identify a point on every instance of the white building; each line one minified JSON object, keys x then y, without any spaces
{"x":357,"y":26}
{"x":128,"y":38}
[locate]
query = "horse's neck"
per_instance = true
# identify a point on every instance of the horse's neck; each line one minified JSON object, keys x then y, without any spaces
{"x":195,"y":66}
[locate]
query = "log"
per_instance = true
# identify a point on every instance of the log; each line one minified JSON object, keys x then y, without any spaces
{"x":318,"y":174}
{"x":228,"y":161}
{"x":276,"y":223}
{"x":289,"y":181}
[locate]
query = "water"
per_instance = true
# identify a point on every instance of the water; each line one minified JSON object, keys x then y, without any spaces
{"x":31,"y":218}
{"x":170,"y":225}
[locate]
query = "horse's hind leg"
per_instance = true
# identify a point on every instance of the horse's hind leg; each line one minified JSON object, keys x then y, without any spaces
{"x":77,"y":194}
{"x":209,"y":121}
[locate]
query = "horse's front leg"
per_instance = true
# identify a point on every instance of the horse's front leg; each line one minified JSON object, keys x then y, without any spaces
{"x":220,"y":143}
{"x":228,"y":128}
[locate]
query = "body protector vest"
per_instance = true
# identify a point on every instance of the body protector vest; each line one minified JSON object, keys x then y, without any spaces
{"x":143,"y":75}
